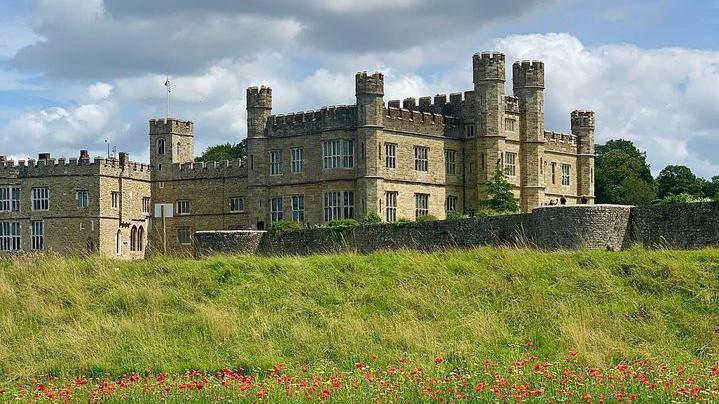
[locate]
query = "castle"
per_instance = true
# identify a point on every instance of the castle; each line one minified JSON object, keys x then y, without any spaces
{"x":398,"y":160}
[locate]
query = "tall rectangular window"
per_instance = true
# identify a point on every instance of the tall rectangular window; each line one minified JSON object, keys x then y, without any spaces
{"x":469,"y":131}
{"x":183,"y":207}
{"x":9,"y":199}
{"x":450,"y":164}
{"x":565,"y":174}
{"x":10,"y":236}
{"x":276,"y":162}
{"x":509,"y":124}
{"x":40,"y":198}
{"x":510,"y":164}
{"x":451,"y":203}
{"x":237,"y":204}
{"x":115,"y":200}
{"x":276,"y":208}
{"x":298,"y":208}
{"x":420,"y":158}
{"x":390,"y":155}
{"x":554,"y":172}
{"x":391,"y":206}
{"x":421,"y":205}
{"x":184,"y":235}
{"x":338,"y":205}
{"x":146,"y":204}
{"x":297,"y":160}
{"x":82,"y":198}
{"x":338,"y":153}
{"x":37,"y":235}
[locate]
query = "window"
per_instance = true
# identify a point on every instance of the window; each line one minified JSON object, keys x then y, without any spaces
{"x":338,"y":154}
{"x":554,"y":172}
{"x":298,"y":208}
{"x":133,"y":238}
{"x":146,"y":204}
{"x":510,"y":166}
{"x":565,"y":174}
{"x":421,"y":204}
{"x":338,"y":205}
{"x":541,"y":166}
{"x":161,"y":146}
{"x":391,"y":206}
{"x":509,"y":124}
{"x":140,"y":236}
{"x":178,"y":148}
{"x":420,"y":158}
{"x":390,"y":158}
{"x":40,"y":199}
{"x":115,"y":199}
{"x":469,"y":131}
{"x":482,"y":164}
{"x":297,"y":160}
{"x":276,"y":208}
{"x":118,"y":243}
{"x":184,"y":235}
{"x":451,"y":203}
{"x":450,"y":162}
{"x":9,"y":199}
{"x":276,"y":162}
{"x":10,"y":236}
{"x":237,"y":204}
{"x":82,"y":198}
{"x":37,"y":235}
{"x":183,"y":207}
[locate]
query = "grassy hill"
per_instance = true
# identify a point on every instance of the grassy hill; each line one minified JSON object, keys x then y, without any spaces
{"x":91,"y":316}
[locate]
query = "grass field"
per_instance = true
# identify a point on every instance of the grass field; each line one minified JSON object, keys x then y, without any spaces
{"x":91,"y":317}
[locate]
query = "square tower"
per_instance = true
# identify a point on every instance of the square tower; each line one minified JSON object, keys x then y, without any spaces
{"x":171,"y":141}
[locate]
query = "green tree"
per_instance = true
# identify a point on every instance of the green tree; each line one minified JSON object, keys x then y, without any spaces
{"x":225,"y":151}
{"x":622,"y":174}
{"x":676,"y":180}
{"x":501,"y":199}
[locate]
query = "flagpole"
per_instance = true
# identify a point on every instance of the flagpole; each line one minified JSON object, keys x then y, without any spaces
{"x":167,"y":84}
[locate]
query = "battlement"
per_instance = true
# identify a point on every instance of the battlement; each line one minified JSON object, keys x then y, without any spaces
{"x":528,"y":74}
{"x":488,"y":66}
{"x":560,"y":142}
{"x":369,"y":83}
{"x":72,"y":166}
{"x":208,"y":170}
{"x":582,"y":119}
{"x":511,"y":104}
{"x":416,"y":121}
{"x":440,"y":106}
{"x":302,"y":123}
{"x":171,"y":125}
{"x":259,"y":97}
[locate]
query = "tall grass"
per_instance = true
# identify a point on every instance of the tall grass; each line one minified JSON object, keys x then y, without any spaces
{"x":93,"y":315}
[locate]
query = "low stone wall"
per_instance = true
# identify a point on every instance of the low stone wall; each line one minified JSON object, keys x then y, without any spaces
{"x":610,"y":227}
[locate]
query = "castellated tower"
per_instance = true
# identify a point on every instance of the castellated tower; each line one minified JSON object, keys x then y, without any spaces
{"x":369,"y":90}
{"x":171,"y":141}
{"x":528,"y":87}
{"x":488,"y":77}
{"x":259,"y":109}
{"x":583,"y":129}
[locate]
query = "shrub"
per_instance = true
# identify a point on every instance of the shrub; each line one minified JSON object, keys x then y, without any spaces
{"x":285,"y":225}
{"x":454,"y":215}
{"x":426,"y":218}
{"x":342,"y":222}
{"x":681,"y":198}
{"x":372,"y":218}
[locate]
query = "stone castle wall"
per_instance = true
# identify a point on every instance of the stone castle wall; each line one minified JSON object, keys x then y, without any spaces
{"x":610,"y":227}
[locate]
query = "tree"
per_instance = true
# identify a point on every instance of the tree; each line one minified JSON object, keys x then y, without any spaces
{"x":225,"y":151}
{"x":501,"y":199}
{"x":676,"y":180}
{"x":622,"y":175}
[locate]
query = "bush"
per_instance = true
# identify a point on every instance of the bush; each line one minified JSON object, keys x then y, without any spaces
{"x":681,"y":198}
{"x":343,"y":222}
{"x":372,"y":218}
{"x":426,"y":218}
{"x":454,"y":215}
{"x":285,"y":225}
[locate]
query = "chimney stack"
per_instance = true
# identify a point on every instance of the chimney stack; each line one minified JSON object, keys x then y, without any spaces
{"x":124,"y":158}
{"x":84,"y":155}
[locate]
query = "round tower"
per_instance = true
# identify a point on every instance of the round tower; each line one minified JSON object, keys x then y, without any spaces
{"x":259,"y":108}
{"x":369,"y":90}
{"x":583,"y":129}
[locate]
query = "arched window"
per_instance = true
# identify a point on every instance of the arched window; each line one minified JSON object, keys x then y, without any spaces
{"x":161,"y":146}
{"x":178,"y":148}
{"x":118,"y":243}
{"x":133,"y":236}
{"x":140,"y":234}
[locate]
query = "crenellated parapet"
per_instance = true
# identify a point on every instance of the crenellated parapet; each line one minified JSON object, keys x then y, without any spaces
{"x":582,"y":119}
{"x":208,"y":170}
{"x":73,"y":167}
{"x":369,"y":83}
{"x":560,"y":142}
{"x":303,"y":123}
{"x":259,"y":97}
{"x":437,"y":104}
{"x":528,"y":74}
{"x":170,"y":125}
{"x":488,"y":66}
{"x":427,"y":123}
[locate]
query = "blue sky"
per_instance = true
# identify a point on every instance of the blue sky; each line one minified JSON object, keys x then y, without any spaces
{"x":76,"y":72}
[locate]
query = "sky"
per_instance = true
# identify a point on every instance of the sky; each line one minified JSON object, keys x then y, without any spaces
{"x":77,"y":73}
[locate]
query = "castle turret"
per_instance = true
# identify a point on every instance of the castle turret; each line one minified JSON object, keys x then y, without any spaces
{"x":528,"y":85}
{"x":171,"y":141}
{"x":369,"y":90}
{"x":583,"y":129}
{"x":488,"y":77}
{"x":259,"y":109}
